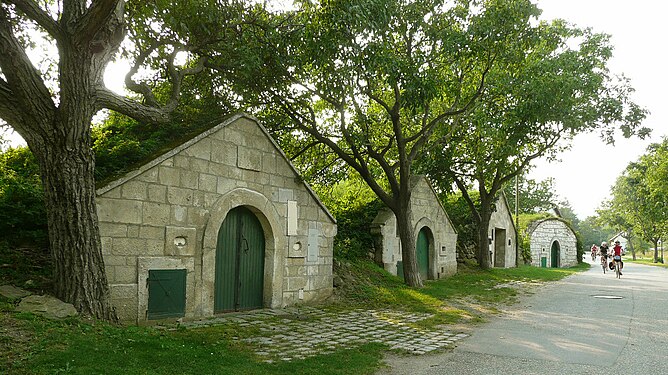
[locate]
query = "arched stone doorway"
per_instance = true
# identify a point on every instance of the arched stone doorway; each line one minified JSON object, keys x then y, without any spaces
{"x":274,"y":251}
{"x":555,"y":255}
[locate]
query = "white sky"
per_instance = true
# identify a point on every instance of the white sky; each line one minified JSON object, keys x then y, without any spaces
{"x":638,"y":28}
{"x":586,"y":172}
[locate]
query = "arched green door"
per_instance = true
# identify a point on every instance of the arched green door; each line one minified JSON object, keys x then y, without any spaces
{"x":239,"y":283}
{"x":554,"y":261}
{"x":422,"y":250}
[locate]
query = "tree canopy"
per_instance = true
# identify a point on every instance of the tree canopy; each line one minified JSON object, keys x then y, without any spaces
{"x":556,"y":85}
{"x":638,"y":203}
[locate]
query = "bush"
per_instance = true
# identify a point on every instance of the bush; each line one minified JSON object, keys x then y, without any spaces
{"x":122,"y":144}
{"x":22,"y":212}
{"x":467,"y":231}
{"x":355,"y":207}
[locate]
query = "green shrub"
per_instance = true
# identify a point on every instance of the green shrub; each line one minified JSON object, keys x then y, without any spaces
{"x":460,"y":214}
{"x":355,"y":207}
{"x":122,"y":144}
{"x":22,"y":212}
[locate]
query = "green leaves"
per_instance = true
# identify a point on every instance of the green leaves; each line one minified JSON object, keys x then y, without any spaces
{"x":639,"y":196}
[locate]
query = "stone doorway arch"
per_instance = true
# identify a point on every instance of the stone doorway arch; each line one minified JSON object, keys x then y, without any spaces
{"x":274,"y":252}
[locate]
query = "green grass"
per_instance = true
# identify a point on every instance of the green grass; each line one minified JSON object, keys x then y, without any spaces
{"x":464,"y":297}
{"x":79,"y":347}
{"x":646,"y":261}
{"x":33,"y":345}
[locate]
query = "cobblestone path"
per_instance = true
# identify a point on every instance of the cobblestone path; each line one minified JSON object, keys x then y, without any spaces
{"x":298,"y":333}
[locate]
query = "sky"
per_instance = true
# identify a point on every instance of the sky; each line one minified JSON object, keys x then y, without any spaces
{"x":586,"y":173}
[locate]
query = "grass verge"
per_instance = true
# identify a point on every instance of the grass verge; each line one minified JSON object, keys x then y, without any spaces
{"x":647,"y":262}
{"x":466,"y":297}
{"x":31,"y":344}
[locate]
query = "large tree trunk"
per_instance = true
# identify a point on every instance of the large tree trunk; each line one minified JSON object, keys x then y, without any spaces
{"x":67,"y":170}
{"x":408,"y":245}
{"x":484,"y":258}
{"x":67,"y":165}
{"x":656,"y":251}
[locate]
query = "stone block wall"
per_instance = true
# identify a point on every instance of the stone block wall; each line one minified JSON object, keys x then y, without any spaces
{"x":502,"y":222}
{"x":427,"y":212}
{"x":167,"y":215}
{"x":543,"y":235}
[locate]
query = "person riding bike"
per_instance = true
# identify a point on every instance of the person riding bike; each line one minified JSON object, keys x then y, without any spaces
{"x":603,"y":252}
{"x":618,"y":256}
{"x":594,"y":251}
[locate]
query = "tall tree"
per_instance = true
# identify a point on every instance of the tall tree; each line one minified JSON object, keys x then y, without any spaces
{"x":638,"y":200}
{"x":50,"y":103}
{"x":551,"y":90}
{"x":534,"y":196}
{"x":370,"y":82}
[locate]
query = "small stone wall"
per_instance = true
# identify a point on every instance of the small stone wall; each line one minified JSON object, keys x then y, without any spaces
{"x":543,"y":234}
{"x":503,"y":236}
{"x":427,"y":212}
{"x":167,"y":215}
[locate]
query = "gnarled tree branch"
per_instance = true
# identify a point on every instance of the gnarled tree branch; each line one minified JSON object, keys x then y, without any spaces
{"x":37,"y":14}
{"x":129,"y":107}
{"x":23,"y":81}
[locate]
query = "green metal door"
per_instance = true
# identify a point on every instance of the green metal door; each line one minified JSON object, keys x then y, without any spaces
{"x":554,"y":261}
{"x":422,"y":250}
{"x":166,"y":293}
{"x":239,"y":281}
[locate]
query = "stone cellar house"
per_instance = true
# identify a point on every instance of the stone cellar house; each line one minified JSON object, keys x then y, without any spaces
{"x":220,"y":223}
{"x":435,"y":235}
{"x":502,"y":236}
{"x":553,"y":243}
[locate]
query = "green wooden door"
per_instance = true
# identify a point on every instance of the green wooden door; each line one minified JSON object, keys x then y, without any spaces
{"x":166,"y":293}
{"x":554,"y":261}
{"x":422,"y":250}
{"x":239,"y":281}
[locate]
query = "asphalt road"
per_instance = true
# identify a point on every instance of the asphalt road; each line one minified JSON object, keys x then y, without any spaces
{"x":589,"y":323}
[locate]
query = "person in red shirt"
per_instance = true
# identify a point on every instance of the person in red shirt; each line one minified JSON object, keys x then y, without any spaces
{"x":618,"y":255}
{"x":594,"y":251}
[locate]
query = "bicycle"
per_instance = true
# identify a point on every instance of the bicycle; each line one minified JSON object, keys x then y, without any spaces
{"x":604,"y":262}
{"x":618,"y":264}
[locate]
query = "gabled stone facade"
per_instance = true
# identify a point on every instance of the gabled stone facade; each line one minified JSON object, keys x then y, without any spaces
{"x":430,"y":218}
{"x":168,"y":215}
{"x":502,"y":236}
{"x":553,"y":243}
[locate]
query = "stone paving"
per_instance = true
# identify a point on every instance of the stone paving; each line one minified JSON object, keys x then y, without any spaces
{"x":298,"y":333}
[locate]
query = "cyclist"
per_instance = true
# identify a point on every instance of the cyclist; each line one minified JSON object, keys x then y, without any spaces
{"x":603,"y":252}
{"x":618,"y":255}
{"x":594,"y":250}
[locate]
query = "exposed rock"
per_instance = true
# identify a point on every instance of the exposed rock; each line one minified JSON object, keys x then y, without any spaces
{"x":12,"y":292}
{"x":47,"y":306}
